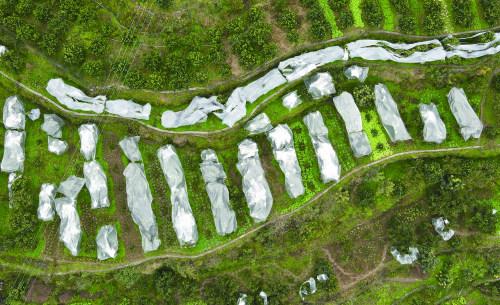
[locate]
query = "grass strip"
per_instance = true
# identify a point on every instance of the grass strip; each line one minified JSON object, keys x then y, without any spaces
{"x":388,"y":15}
{"x":330,"y":17}
{"x":357,"y":13}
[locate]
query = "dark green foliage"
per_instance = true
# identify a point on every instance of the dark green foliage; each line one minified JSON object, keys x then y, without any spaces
{"x":94,"y":67}
{"x":128,"y":38}
{"x":134,"y":79}
{"x":496,"y":82}
{"x":462,"y":12}
{"x":482,"y":217}
{"x":320,"y":28}
{"x":337,"y":5}
{"x":13,"y":60}
{"x":74,"y":53}
{"x":164,"y":3}
{"x":287,"y":19}
{"x":221,"y":290}
{"x":372,"y":13}
{"x":491,"y":11}
{"x":408,"y":24}
{"x":345,"y":19}
{"x":24,"y":7}
{"x":401,"y":6}
{"x":364,"y":96}
{"x":433,"y":17}
{"x":42,"y":12}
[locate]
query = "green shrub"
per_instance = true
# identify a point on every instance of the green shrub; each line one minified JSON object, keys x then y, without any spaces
{"x":407,"y":24}
{"x":372,"y":13}
{"x":93,"y":68}
{"x":364,"y":96}
{"x":491,"y":11}
{"x":345,"y":19}
{"x":433,"y":16}
{"x":74,"y":53}
{"x":462,"y":12}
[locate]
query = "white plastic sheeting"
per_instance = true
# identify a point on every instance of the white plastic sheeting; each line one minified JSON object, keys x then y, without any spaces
{"x":46,"y":198}
{"x":128,"y":109}
{"x":74,"y":98}
{"x":13,"y":153}
{"x":196,"y":112}
{"x":322,"y":277}
{"x":356,"y":72}
{"x":255,"y":187}
{"x":475,"y":50}
{"x":10,"y":183}
{"x":215,"y":177}
{"x":71,"y":187}
{"x":182,"y":215}
{"x":70,"y":232}
{"x":107,"y":242}
{"x":389,"y":114}
{"x":307,"y":288}
{"x":328,"y":162}
{"x":440,"y":224}
{"x":96,"y":182}
{"x":467,"y":119}
{"x":405,"y":259}
{"x":34,"y":114}
{"x":263,"y":296}
{"x":242,"y":300}
{"x":89,"y":136}
{"x":320,"y":85}
{"x":3,"y":50}
{"x":52,"y":125}
{"x":259,"y":124}
{"x":299,"y":66}
{"x":234,"y":109}
{"x":434,"y":128}
{"x":139,"y":201}
{"x":345,"y":105}
{"x":13,"y":113}
{"x":130,"y":147}
{"x":291,"y":100}
{"x":57,"y":146}
{"x":281,"y":139}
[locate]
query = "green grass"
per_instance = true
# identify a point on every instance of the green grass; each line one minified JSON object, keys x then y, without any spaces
{"x":357,"y":13}
{"x":388,"y":15}
{"x":330,"y":17}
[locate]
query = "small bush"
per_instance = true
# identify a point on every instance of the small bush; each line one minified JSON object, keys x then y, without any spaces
{"x":462,"y":12}
{"x":364,"y":96}
{"x":372,"y":13}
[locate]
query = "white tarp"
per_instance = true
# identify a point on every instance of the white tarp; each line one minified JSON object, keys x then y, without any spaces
{"x":215,"y":177}
{"x":320,"y":85}
{"x":259,"y":124}
{"x":307,"y":288}
{"x":345,"y":105}
{"x":356,"y":72}
{"x":107,"y":242}
{"x":440,"y":224}
{"x":467,"y":119}
{"x":57,"y":146}
{"x":281,"y":139}
{"x":434,"y":128}
{"x":405,"y":259}
{"x":255,"y":187}
{"x":128,"y":109}
{"x":13,"y":113}
{"x":234,"y":109}
{"x":13,"y":152}
{"x":34,"y":114}
{"x":96,"y":182}
{"x":3,"y":50}
{"x":182,"y":215}
{"x":52,"y":125}
{"x":70,"y":232}
{"x":299,"y":66}
{"x":263,"y":296}
{"x":89,"y":136}
{"x":475,"y":50}
{"x":242,"y":300}
{"x":46,"y":198}
{"x":328,"y":162}
{"x":130,"y":147}
{"x":74,"y":98}
{"x":139,"y":201}
{"x":389,"y":115}
{"x":263,"y":85}
{"x":291,"y":100}
{"x":196,"y":112}
{"x":71,"y":187}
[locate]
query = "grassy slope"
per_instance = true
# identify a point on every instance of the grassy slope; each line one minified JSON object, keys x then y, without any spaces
{"x":357,"y":13}
{"x":389,"y":18}
{"x":330,"y":17}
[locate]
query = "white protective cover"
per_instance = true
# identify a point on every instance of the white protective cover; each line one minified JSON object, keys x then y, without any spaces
{"x":405,"y":259}
{"x":128,"y":109}
{"x":46,"y":198}
{"x":440,"y":224}
{"x":196,"y":112}
{"x":130,"y":147}
{"x":328,"y":162}
{"x":259,"y":124}
{"x":234,"y":109}
{"x":74,"y":98}
{"x":434,"y":128}
{"x":467,"y":119}
{"x":307,"y":288}
{"x":291,"y":100}
{"x":320,"y":85}
{"x":89,"y":135}
{"x":348,"y":110}
{"x":13,"y":113}
{"x":34,"y":114}
{"x":70,"y":232}
{"x":13,"y":152}
{"x":263,"y":85}
{"x":281,"y":139}
{"x":182,"y":215}
{"x":356,"y":72}
{"x":96,"y":182}
{"x":10,"y":183}
{"x":255,"y":187}
{"x":71,"y":187}
{"x":263,"y":296}
{"x":107,"y":242}
{"x":389,"y":115}
{"x":57,"y":146}
{"x":242,"y":300}
{"x":215,"y":177}
{"x":52,"y":125}
{"x":299,"y":66}
{"x":139,"y":201}
{"x":475,"y":50}
{"x":3,"y":50}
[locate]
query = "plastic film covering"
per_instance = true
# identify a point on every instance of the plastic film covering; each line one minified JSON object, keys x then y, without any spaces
{"x":128,"y":109}
{"x":255,"y":187}
{"x":46,"y":203}
{"x":405,"y":259}
{"x":440,"y":224}
{"x":214,"y":177}
{"x":234,"y":109}
{"x":34,"y":114}
{"x":10,"y":183}
{"x":74,"y":98}
{"x":291,"y":100}
{"x":345,"y":105}
{"x":263,"y":85}
{"x":259,"y":124}
{"x":307,"y":288}
{"x":13,"y":113}
{"x":467,"y":119}
{"x":475,"y":50}
{"x":89,"y":136}
{"x":139,"y":201}
{"x":320,"y":85}
{"x":281,"y":138}
{"x":196,"y":112}
{"x":328,"y":162}
{"x":52,"y":125}
{"x":3,"y":50}
{"x":96,"y":182}
{"x":107,"y":242}
{"x":323,"y":277}
{"x":130,"y":147}
{"x":57,"y":146}
{"x":299,"y":66}
{"x":13,"y":152}
{"x":356,"y":72}
{"x":242,"y":300}
{"x":71,"y":187}
{"x":389,"y":114}
{"x":263,"y":296}
{"x":434,"y":128}
{"x":182,"y":215}
{"x":70,"y":232}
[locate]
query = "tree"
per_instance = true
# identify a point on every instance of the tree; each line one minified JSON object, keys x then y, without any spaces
{"x":73,"y":53}
{"x":364,"y":96}
{"x":372,"y":13}
{"x":462,"y":12}
{"x":491,"y":11}
{"x":433,"y":16}
{"x":94,"y":67}
{"x":42,"y":13}
{"x":13,"y":61}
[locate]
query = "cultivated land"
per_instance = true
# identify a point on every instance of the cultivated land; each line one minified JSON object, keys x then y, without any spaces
{"x":345,"y":230}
